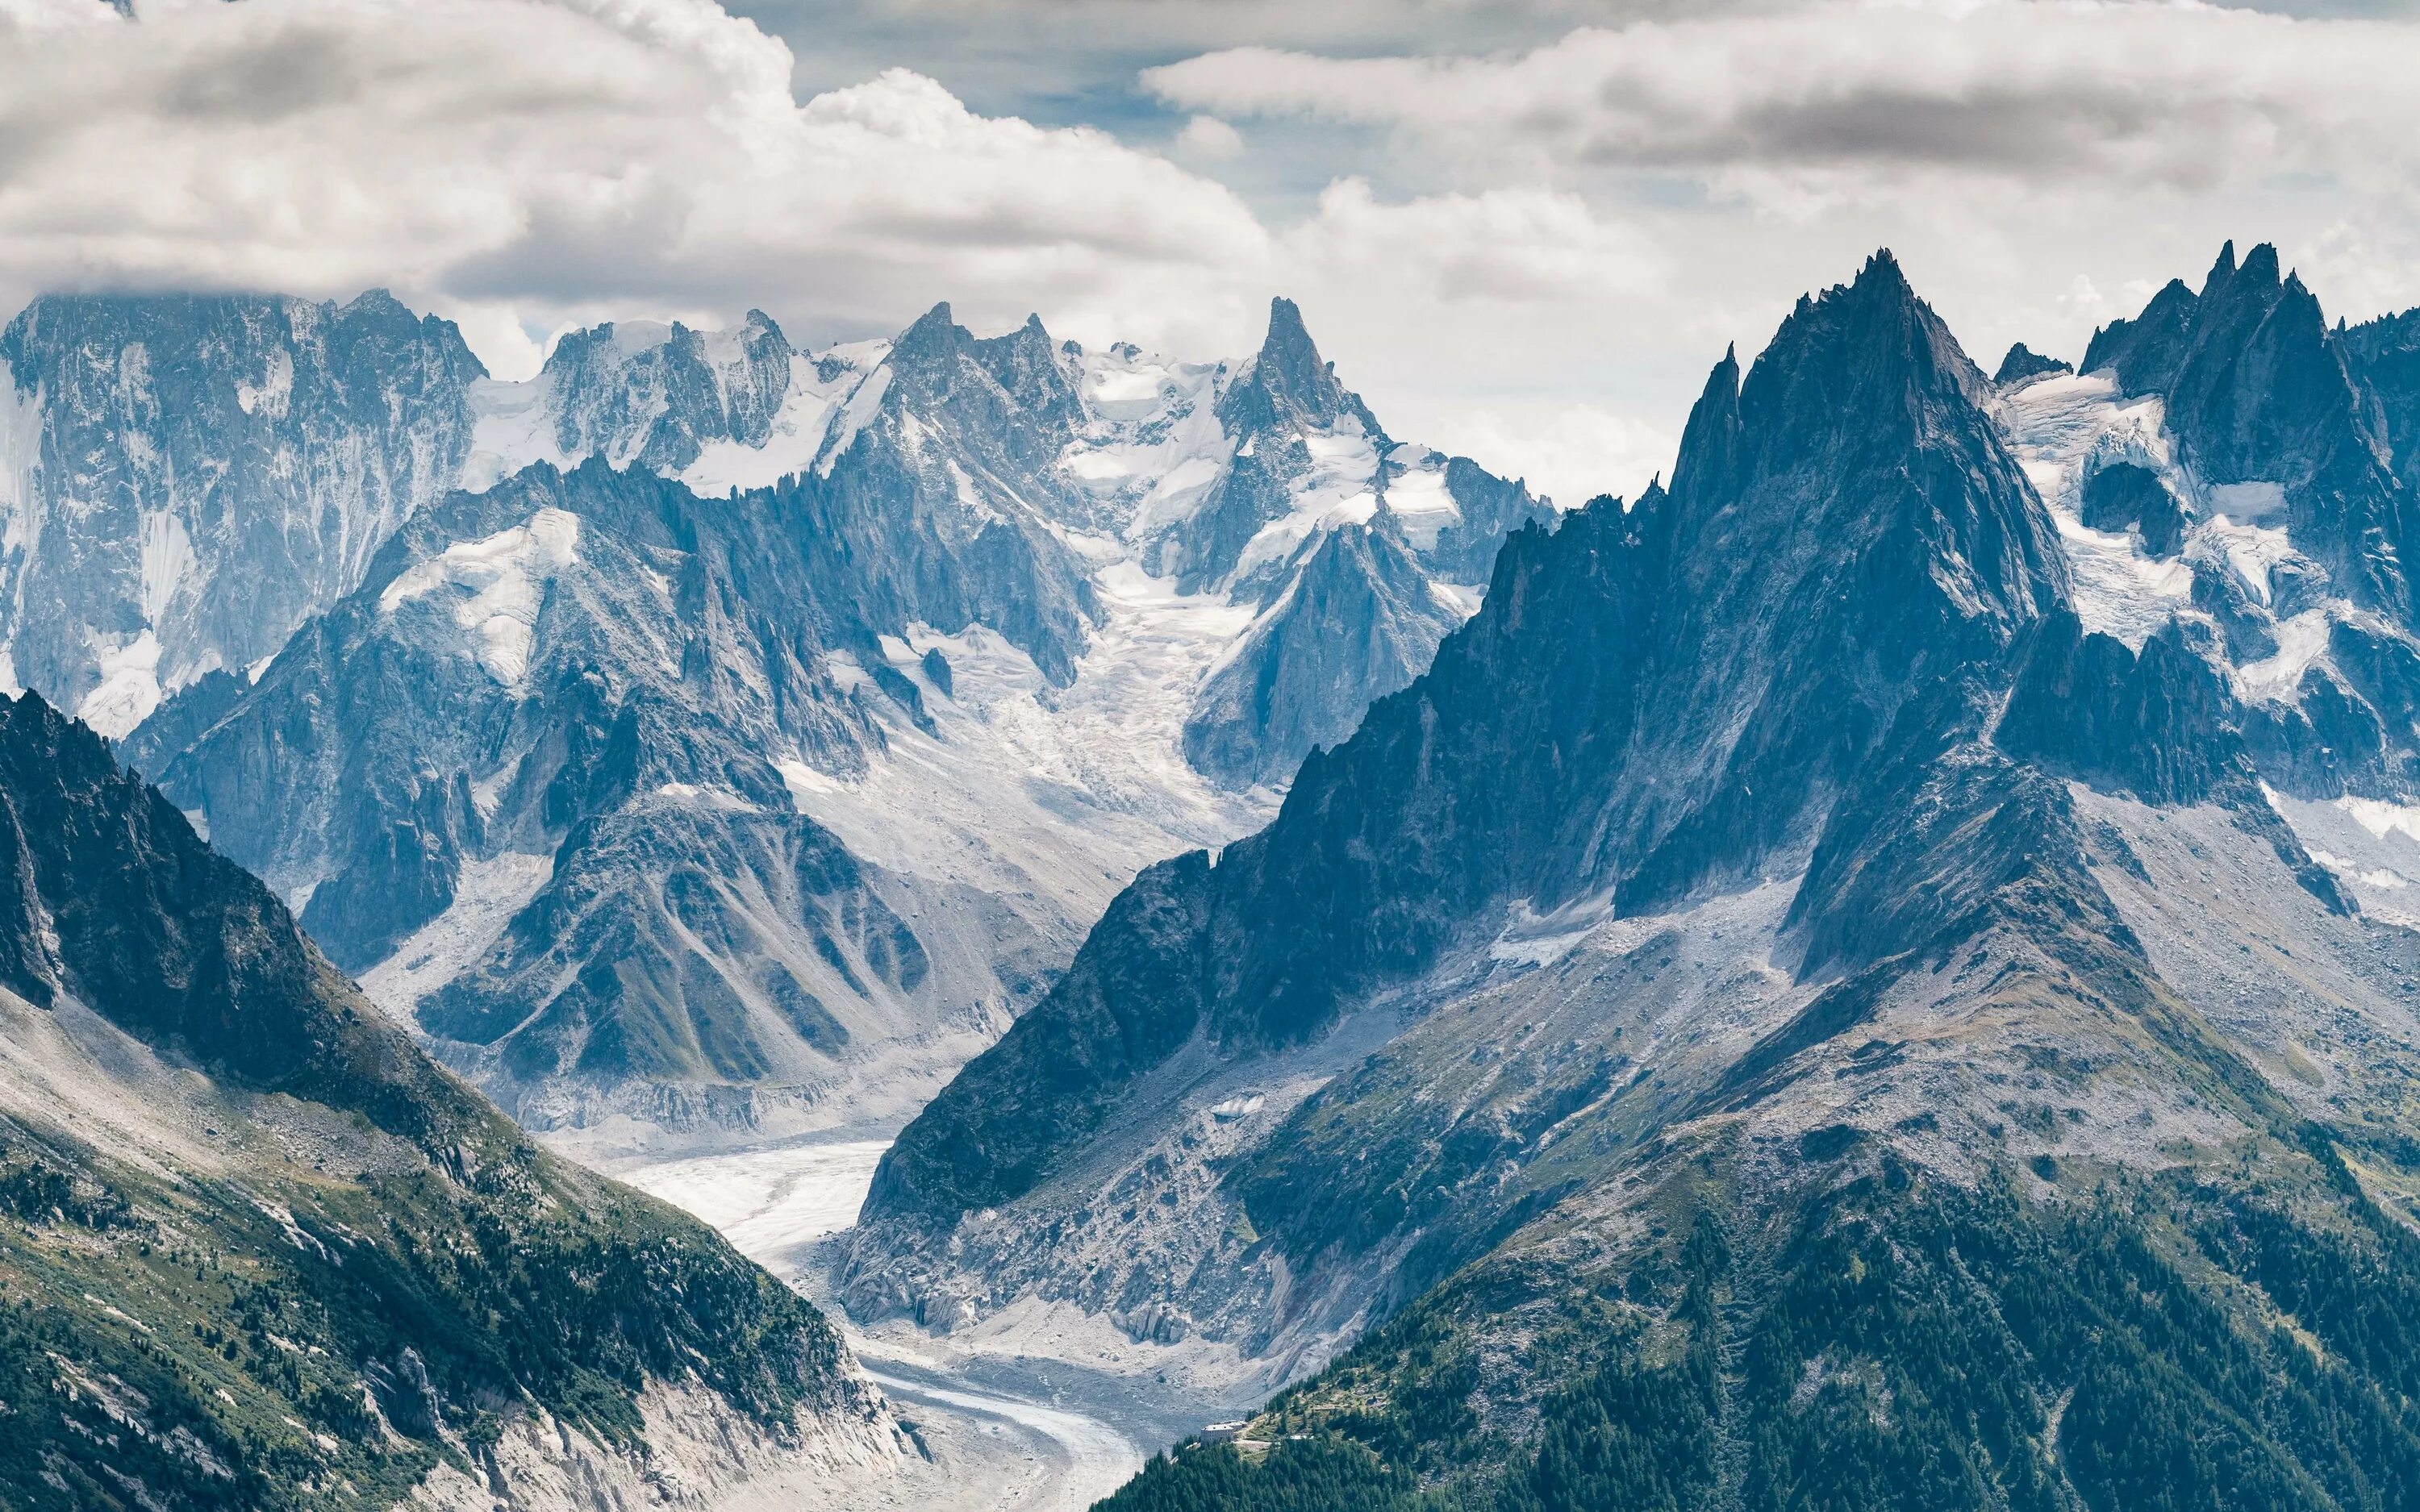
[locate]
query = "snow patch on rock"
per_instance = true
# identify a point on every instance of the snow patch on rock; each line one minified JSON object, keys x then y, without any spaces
{"x":129,"y":684}
{"x":498,"y":585}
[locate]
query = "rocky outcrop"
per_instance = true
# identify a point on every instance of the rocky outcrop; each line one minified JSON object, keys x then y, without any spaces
{"x":2129,"y":496}
{"x":2023,"y":363}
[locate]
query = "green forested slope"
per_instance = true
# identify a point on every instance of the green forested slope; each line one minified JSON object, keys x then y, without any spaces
{"x":256,"y":1250}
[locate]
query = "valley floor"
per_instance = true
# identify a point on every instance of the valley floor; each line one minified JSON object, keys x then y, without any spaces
{"x":1003,"y":1432}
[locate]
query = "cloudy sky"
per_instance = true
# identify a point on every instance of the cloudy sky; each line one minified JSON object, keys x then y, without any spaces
{"x":1523,"y":229}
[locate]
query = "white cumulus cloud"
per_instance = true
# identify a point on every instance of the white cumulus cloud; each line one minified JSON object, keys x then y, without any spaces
{"x":550,"y":157}
{"x":2136,"y":91}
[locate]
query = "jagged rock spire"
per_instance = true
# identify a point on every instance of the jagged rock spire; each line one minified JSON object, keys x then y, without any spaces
{"x":1287,"y":382}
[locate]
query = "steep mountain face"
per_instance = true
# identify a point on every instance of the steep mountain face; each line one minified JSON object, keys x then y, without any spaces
{"x":1839,"y":990}
{"x":1358,"y":618}
{"x":655,"y":397}
{"x":776,"y":806}
{"x":2285,"y":512}
{"x":261,"y":1252}
{"x":2386,"y":353}
{"x":1291,"y":424}
{"x":967,"y":432}
{"x":188,"y":478}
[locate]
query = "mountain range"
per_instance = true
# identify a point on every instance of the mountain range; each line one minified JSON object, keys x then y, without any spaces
{"x":1880,"y":974}
{"x":1877,"y":975}
{"x":708,"y":736}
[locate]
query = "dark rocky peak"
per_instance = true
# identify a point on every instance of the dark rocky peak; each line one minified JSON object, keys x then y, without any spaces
{"x":2388,"y":336}
{"x":1288,"y":386}
{"x":2174,"y":338}
{"x":1863,"y":382}
{"x":1711,"y":444}
{"x":1276,"y":402}
{"x":2148,"y":352}
{"x":653,"y":396}
{"x":380,"y":305}
{"x":1871,"y":342}
{"x":929,"y":340}
{"x":2023,"y":363}
{"x":1013,"y":391}
{"x":2148,"y":342}
{"x":1864,"y":371}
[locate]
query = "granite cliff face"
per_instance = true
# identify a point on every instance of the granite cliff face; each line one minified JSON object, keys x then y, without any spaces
{"x":261,"y":1251}
{"x":187,"y":479}
{"x":1357,"y":618}
{"x":1762,"y":1011}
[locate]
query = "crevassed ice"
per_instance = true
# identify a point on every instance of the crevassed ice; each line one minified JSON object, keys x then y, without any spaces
{"x":2064,"y":427}
{"x":1152,"y":445}
{"x":2250,"y":549}
{"x":499,"y":586}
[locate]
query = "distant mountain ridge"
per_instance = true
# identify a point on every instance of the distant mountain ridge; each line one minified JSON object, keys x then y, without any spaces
{"x":660,"y":771}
